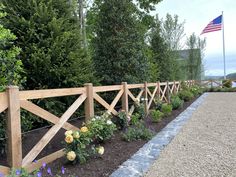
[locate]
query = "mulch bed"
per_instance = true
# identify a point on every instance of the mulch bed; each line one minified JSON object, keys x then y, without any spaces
{"x":116,"y":150}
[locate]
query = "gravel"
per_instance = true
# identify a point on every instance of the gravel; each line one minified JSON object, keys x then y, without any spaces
{"x":206,"y":144}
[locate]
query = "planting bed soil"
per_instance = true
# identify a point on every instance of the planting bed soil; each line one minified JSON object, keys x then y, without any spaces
{"x":116,"y":150}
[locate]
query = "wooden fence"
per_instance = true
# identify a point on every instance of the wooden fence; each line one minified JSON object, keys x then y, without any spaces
{"x":13,"y":100}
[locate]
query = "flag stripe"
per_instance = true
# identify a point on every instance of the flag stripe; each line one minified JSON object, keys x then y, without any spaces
{"x":214,"y":25}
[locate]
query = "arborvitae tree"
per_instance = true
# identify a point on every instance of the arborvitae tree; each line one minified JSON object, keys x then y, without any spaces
{"x":173,"y":32}
{"x":49,"y":36}
{"x":196,"y":47}
{"x":11,"y":67}
{"x":161,"y":54}
{"x":118,"y":44}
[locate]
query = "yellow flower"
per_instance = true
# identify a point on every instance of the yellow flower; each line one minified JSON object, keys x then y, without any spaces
{"x":84,"y":129}
{"x":69,"y":139}
{"x":100,"y":150}
{"x":76,"y":135}
{"x":71,"y":156}
{"x":69,"y":132}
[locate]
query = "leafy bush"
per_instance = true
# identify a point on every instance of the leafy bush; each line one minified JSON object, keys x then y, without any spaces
{"x":196,"y":90}
{"x":227,"y":83}
{"x":140,"y":109}
{"x":185,"y":95}
{"x":158,"y":104}
{"x":218,"y":89}
{"x":138,"y":132}
{"x":123,"y":120}
{"x":156,"y":115}
{"x":166,"y":109}
{"x":101,"y":128}
{"x":176,"y":102}
{"x":135,"y":118}
{"x":78,"y":147}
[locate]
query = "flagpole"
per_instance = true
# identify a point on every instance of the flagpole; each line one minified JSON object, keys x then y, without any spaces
{"x":223,"y":35}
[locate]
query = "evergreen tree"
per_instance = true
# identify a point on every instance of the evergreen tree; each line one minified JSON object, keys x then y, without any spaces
{"x":196,"y":47}
{"x":118,"y":44}
{"x":161,"y":54}
{"x":49,"y":36}
{"x":11,"y":67}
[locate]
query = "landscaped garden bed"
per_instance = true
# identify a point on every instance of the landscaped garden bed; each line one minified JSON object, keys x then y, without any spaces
{"x":116,"y":149}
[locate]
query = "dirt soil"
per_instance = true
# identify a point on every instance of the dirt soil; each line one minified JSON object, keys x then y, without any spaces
{"x":116,"y":150}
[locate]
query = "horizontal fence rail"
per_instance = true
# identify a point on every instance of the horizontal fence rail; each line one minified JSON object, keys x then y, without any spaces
{"x":14,"y":100}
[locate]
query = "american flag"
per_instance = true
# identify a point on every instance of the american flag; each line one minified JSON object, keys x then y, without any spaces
{"x":214,"y":25}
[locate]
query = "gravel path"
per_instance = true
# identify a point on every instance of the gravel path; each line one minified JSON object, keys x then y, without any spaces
{"x":206,"y":145}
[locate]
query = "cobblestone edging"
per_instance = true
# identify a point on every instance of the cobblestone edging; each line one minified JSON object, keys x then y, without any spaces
{"x":140,"y":162}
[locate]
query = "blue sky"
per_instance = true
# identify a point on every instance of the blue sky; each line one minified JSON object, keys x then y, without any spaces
{"x":197,"y":14}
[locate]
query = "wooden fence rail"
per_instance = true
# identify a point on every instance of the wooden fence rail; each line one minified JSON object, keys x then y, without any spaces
{"x":13,"y":100}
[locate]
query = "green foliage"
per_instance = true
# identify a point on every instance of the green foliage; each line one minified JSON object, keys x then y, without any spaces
{"x":119,"y":44}
{"x":11,"y":67}
{"x":196,"y":47}
{"x":78,"y":142}
{"x":135,"y":118}
{"x":101,"y":128}
{"x":140,"y":109}
{"x":21,"y":172}
{"x":166,"y":109}
{"x":156,"y":115}
{"x":196,"y":90}
{"x":161,"y":54}
{"x":138,"y":132}
{"x":218,"y":89}
{"x":176,"y":102}
{"x":158,"y":103}
{"x":185,"y":95}
{"x":227,"y":83}
{"x":49,"y":36}
{"x":123,"y":120}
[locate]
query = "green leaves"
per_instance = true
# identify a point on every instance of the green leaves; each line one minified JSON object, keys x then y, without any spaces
{"x":11,"y":67}
{"x":49,"y":36}
{"x":119,"y":44}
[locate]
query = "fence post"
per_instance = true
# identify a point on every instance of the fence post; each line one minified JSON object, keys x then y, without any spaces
{"x":168,"y":93}
{"x":174,"y":89}
{"x":125,"y":101}
{"x":89,"y":102}
{"x":211,"y":84}
{"x":146,"y":98}
{"x":158,"y":90}
{"x":14,"y":143}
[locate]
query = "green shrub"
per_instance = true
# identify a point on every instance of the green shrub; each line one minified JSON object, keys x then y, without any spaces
{"x":101,"y":128}
{"x":79,"y":145}
{"x":227,"y":83}
{"x":135,"y":118}
{"x":158,"y":104}
{"x":196,"y":90}
{"x":166,"y":109}
{"x":176,"y":102}
{"x":140,"y":109}
{"x":156,"y":115}
{"x":185,"y":95}
{"x":123,"y":120}
{"x":138,"y":132}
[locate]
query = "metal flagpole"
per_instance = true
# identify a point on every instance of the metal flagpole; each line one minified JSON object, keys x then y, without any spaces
{"x":223,"y":44}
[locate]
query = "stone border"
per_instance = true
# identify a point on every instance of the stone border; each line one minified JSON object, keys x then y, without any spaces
{"x":140,"y":162}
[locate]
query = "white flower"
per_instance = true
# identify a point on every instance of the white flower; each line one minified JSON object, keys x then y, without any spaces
{"x":109,"y":122}
{"x":97,"y":117}
{"x":68,"y":132}
{"x":100,"y":150}
{"x":93,"y":119}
